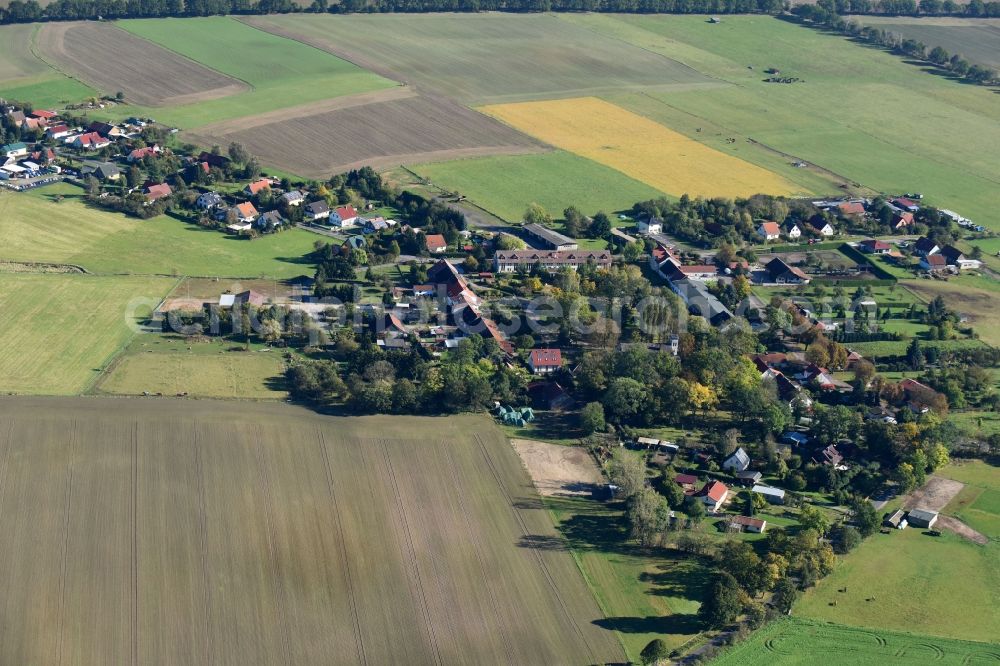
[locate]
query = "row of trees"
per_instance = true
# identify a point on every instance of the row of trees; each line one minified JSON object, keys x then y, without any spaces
{"x":975,"y":8}
{"x":912,"y":48}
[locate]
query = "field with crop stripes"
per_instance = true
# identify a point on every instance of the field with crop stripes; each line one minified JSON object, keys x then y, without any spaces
{"x":160,"y":531}
{"x":791,"y":642}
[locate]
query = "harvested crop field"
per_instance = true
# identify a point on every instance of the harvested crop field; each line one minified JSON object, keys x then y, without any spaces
{"x":975,"y":39}
{"x":111,"y":60}
{"x":381,"y":129}
{"x":162,"y":531}
{"x":640,"y":148}
{"x":487,"y":58}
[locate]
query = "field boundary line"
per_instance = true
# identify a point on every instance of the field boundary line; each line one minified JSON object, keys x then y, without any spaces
{"x":538,"y":556}
{"x":411,"y":551}
{"x":249,"y":85}
{"x":358,"y":636}
{"x":203,"y":534}
{"x":135,"y":543}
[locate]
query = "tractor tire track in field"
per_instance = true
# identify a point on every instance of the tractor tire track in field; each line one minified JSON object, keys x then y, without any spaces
{"x":525,"y":532}
{"x":477,"y":546}
{"x":411,"y":553}
{"x":135,"y":542}
{"x":328,"y":468}
{"x":203,"y":546}
{"x":273,"y":567}
{"x":64,"y":561}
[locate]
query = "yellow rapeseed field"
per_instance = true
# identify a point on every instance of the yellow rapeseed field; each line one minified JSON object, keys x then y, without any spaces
{"x":639,"y":147}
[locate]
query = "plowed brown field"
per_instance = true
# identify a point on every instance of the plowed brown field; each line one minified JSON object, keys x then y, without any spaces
{"x":113,"y":60}
{"x":191,"y":532}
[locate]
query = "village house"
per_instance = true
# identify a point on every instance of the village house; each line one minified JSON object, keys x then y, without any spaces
{"x":851,"y":208}
{"x":906,"y":204}
{"x":90,"y":141}
{"x":901,"y":220}
{"x":549,"y":239}
{"x":245,"y":212}
{"x":874,"y":246}
{"x":101,"y":170}
{"x":738,"y":462}
{"x":687,"y":482}
{"x":317,"y":210}
{"x":213,"y":160}
{"x":714,"y":495}
{"x":793,"y":230}
{"x":934,"y":263}
{"x":43,"y":114}
{"x":436,"y":243}
{"x":58,"y":132}
{"x":771,"y":494}
{"x":293,"y":197}
{"x":780,"y":272}
{"x":748,"y":524}
{"x":510,"y":261}
{"x":140,"y":154}
{"x":748,"y":478}
{"x":925,"y":247}
{"x":208,"y":200}
{"x":544,"y":361}
{"x":821,"y":226}
{"x":343,"y":216}
{"x":649,"y":226}
{"x":154,"y":192}
{"x":14,"y":150}
{"x":769,"y":231}
{"x":257,"y":187}
{"x":955,"y":257}
{"x":269,"y":221}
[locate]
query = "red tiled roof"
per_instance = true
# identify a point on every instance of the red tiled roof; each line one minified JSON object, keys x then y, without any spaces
{"x":876,"y":244}
{"x":435,"y":241}
{"x":714,"y":490}
{"x":346,"y":212}
{"x":255,"y":187}
{"x":546,"y":358}
{"x":770,"y":228}
{"x":42,"y":113}
{"x":246,"y":209}
{"x":686,"y":479}
{"x":154,"y":192}
{"x":747,"y":521}
{"x":851,"y":208}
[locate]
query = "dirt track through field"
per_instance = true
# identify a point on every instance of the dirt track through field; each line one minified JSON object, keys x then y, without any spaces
{"x":112,"y":60}
{"x":380,"y":129}
{"x":192,"y":532}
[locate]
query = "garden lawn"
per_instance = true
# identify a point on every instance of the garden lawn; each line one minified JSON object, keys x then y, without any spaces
{"x":937,"y":136}
{"x":916,"y":583}
{"x":33,"y":227}
{"x":60,"y":330}
{"x":282,"y":72}
{"x":505,"y":185}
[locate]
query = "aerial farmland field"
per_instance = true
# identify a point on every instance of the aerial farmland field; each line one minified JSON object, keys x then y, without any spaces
{"x":24,"y":76}
{"x":381,"y":129}
{"x":114,"y":60}
{"x":794,"y":641}
{"x":193,"y":532}
{"x":280,"y":72}
{"x":977,"y":40}
{"x":35,"y":227}
{"x":59,"y":331}
{"x":639,"y":148}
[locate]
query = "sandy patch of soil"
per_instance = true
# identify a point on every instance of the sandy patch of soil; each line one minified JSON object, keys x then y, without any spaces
{"x":558,"y":470}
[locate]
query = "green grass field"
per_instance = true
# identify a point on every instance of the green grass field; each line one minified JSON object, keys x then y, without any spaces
{"x":59,"y":331}
{"x":978,"y":504}
{"x":643,"y":596}
{"x":794,"y":642}
{"x":253,"y":375}
{"x":506,"y":185}
{"x":33,"y":227}
{"x":25,"y":77}
{"x":282,"y":72}
{"x":489,"y":58}
{"x":916,"y":583}
{"x":936,"y":136}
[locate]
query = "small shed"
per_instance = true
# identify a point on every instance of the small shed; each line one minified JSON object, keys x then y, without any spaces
{"x":896,"y":520}
{"x":771,"y":494}
{"x":922,"y":518}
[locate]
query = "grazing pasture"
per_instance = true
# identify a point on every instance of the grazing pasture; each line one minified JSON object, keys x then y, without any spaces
{"x":33,"y":227}
{"x":163,"y":531}
{"x":910,"y":581}
{"x":383,"y":129}
{"x":112,"y":60}
{"x":506,"y":184}
{"x":60,"y":330}
{"x":938,"y":137}
{"x":977,"y":40}
{"x":975,"y":297}
{"x":639,"y":148}
{"x":248,"y":375}
{"x":281,"y":73}
{"x":794,"y":641}
{"x":487,"y":58}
